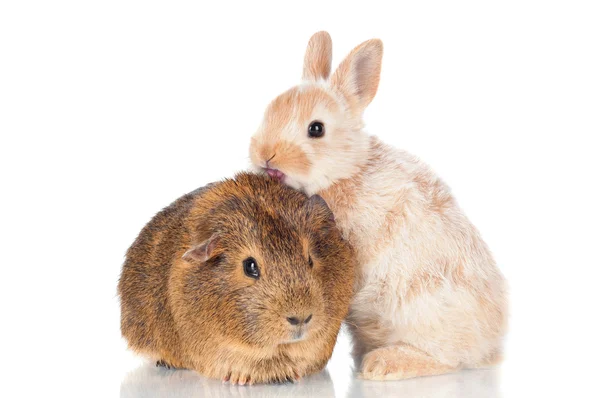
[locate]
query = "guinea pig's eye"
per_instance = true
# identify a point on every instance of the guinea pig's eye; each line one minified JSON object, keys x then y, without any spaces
{"x":310,"y":262}
{"x":316,"y":130}
{"x":251,"y":268}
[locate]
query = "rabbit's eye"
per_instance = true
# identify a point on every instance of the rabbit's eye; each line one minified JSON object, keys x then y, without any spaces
{"x":310,"y":262}
{"x":316,"y":130}
{"x":251,"y":268}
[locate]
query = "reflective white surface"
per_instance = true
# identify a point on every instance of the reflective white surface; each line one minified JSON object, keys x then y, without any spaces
{"x":148,"y":380}
{"x":143,"y":379}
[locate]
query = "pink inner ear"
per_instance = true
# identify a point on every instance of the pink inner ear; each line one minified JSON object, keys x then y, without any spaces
{"x":210,"y":247}
{"x":203,"y":251}
{"x":358,"y":74}
{"x":196,"y":254}
{"x":362,"y":73}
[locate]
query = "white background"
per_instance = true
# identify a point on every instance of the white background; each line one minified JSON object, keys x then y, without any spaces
{"x":109,"y":110}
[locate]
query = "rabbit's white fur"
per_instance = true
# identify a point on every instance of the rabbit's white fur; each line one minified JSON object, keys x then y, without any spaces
{"x":429,"y":297}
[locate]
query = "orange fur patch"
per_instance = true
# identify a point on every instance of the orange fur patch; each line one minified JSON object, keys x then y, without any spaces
{"x":294,"y":157}
{"x":291,"y":110}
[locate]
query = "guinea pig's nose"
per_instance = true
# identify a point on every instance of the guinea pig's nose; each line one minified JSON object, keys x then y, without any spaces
{"x":294,"y":320}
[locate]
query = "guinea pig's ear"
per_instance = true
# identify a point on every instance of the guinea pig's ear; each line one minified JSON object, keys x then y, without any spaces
{"x":200,"y":253}
{"x":317,"y":60}
{"x":357,"y":77}
{"x":318,"y":210}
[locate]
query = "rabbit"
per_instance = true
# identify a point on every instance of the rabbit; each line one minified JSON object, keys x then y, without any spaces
{"x":429,"y":298}
{"x":245,"y":280}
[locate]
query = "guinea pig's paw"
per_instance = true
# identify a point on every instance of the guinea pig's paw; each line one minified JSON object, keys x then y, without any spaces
{"x":290,"y":375}
{"x":267,"y":375}
{"x":164,"y":364}
{"x":296,"y":374}
{"x":238,"y":378}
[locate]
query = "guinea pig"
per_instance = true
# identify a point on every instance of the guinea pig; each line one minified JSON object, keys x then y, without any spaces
{"x":245,"y":280}
{"x":429,"y":296}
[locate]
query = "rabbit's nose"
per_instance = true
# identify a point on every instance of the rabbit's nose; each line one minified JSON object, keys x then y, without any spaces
{"x":294,"y":320}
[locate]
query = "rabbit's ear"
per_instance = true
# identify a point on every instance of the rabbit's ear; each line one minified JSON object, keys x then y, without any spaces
{"x":357,"y":77}
{"x":200,"y":253}
{"x":317,"y":60}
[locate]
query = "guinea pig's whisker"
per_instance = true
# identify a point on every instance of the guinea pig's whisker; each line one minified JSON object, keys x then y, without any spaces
{"x":344,"y":320}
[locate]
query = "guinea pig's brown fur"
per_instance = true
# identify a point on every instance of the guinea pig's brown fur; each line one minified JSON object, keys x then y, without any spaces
{"x":187,"y":301}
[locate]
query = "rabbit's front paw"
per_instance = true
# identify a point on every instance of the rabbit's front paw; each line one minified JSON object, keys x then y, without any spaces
{"x":400,"y":362}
